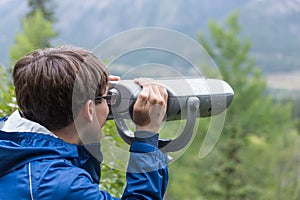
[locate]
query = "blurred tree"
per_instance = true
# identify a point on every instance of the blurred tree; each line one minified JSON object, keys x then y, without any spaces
{"x":232,"y":171}
{"x":37,"y":29}
{"x":252,"y":113}
{"x":46,"y":7}
{"x":37,"y":32}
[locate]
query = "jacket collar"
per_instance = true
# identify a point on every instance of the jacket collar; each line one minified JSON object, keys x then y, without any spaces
{"x":16,"y":123}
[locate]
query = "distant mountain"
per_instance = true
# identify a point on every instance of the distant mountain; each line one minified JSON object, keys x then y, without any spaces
{"x":274,"y":28}
{"x":99,"y":20}
{"x":272,"y":25}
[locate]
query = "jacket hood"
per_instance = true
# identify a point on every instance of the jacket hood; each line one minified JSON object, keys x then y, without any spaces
{"x":23,"y":141}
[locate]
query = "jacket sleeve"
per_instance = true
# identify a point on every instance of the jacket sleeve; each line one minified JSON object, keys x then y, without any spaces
{"x":147,"y":172}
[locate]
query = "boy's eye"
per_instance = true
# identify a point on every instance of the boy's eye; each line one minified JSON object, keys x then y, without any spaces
{"x":110,"y":98}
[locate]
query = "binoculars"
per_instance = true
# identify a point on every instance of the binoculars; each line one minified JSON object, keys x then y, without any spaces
{"x":188,"y":99}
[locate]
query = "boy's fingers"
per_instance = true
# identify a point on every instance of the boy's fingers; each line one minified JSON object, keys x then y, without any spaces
{"x":143,"y":81}
{"x":113,"y":78}
{"x":156,"y":96}
{"x":142,"y":99}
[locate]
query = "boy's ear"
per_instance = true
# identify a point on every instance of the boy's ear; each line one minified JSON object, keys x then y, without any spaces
{"x":88,"y":110}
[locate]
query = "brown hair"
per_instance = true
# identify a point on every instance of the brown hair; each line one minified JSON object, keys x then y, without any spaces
{"x":52,"y":84}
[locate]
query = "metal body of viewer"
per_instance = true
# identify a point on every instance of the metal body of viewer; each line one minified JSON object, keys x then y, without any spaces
{"x":188,"y":99}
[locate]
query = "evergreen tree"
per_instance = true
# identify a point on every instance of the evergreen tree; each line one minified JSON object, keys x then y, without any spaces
{"x":46,"y":7}
{"x":37,"y":29}
{"x":252,"y":112}
{"x":37,"y":33}
{"x":240,"y":166}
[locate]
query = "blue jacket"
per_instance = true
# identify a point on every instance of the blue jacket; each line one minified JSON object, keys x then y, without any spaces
{"x":37,"y":165}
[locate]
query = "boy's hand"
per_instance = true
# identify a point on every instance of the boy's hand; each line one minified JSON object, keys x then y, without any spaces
{"x":150,"y":107}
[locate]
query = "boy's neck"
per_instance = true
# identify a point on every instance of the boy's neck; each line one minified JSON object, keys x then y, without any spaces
{"x":68,"y":134}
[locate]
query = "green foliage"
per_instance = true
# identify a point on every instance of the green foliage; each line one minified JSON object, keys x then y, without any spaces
{"x":37,"y":33}
{"x":7,"y":99}
{"x":243,"y":163}
{"x":112,"y":180}
{"x":252,"y":111}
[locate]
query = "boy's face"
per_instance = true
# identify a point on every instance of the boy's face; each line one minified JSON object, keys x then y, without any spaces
{"x":91,"y":121}
{"x":101,"y":113}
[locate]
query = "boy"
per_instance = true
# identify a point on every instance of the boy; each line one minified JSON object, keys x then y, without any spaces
{"x":63,"y":104}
